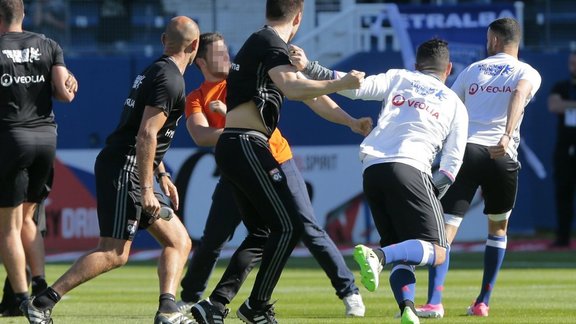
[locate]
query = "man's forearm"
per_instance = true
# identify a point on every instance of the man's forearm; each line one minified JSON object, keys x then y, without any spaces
{"x":515,"y":111}
{"x":329,"y":110}
{"x":302,"y":89}
{"x":315,"y":71}
{"x":205,"y":136}
{"x":145,"y":148}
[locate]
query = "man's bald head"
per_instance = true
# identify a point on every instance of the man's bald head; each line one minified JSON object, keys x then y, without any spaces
{"x":180,"y":32}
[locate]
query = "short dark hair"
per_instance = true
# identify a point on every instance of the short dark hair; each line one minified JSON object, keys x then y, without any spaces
{"x":507,"y":29}
{"x":433,"y":55}
{"x":205,"y":40}
{"x":11,"y":11}
{"x":280,"y":10}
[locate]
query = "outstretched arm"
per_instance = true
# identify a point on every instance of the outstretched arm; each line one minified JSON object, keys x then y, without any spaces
{"x":326,"y":108}
{"x":295,"y":88}
{"x":373,"y":87}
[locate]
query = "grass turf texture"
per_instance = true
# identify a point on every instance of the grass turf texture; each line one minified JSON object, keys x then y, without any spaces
{"x":533,"y":287}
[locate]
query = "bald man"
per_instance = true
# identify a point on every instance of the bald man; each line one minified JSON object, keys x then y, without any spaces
{"x":125,"y":171}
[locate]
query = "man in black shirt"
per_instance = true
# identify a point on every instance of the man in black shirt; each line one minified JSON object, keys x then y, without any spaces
{"x":562,"y":101}
{"x":205,"y":113}
{"x":32,"y":72}
{"x":124,"y":173}
{"x":260,"y":77}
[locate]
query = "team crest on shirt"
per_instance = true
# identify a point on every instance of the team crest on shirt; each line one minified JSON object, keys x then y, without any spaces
{"x":275,"y":174}
{"x":423,"y":89}
{"x":440,"y":95}
{"x":132,"y":227}
{"x":138,"y":81}
{"x":26,"y":55}
{"x":496,"y":69}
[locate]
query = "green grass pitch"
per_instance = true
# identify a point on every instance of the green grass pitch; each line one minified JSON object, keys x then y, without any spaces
{"x":533,"y":287}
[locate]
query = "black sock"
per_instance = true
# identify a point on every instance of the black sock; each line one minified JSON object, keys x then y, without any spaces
{"x":39,"y":284}
{"x":406,"y":303}
{"x":380,"y":254}
{"x":8,"y":293}
{"x":46,"y":299}
{"x":167,"y":304}
{"x":218,"y":302}
{"x":20,"y":297}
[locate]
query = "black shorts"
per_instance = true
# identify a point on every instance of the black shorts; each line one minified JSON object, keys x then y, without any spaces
{"x":497,"y":178}
{"x":403,"y":204}
{"x":118,"y":194}
{"x":25,"y":164}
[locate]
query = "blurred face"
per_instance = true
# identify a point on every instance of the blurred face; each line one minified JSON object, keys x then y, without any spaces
{"x":218,"y":59}
{"x":572,"y":65}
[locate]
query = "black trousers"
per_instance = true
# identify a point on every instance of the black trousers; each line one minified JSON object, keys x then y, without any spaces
{"x":267,"y":207}
{"x":224,"y":217}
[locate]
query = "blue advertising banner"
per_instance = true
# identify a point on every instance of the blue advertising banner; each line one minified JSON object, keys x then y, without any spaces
{"x":465,"y":24}
{"x":464,"y":27}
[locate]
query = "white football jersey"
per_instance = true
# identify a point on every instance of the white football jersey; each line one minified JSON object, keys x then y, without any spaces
{"x":486,"y":87}
{"x":420,"y":116}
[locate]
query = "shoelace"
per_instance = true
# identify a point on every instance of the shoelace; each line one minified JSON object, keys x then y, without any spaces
{"x":269,"y":311}
{"x":225,"y":312}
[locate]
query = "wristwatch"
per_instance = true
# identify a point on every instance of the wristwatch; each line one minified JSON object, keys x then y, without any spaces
{"x":162,"y":174}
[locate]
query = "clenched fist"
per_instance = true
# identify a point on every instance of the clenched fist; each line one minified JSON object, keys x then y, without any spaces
{"x":362,"y":126}
{"x":353,"y":79}
{"x":218,"y":107}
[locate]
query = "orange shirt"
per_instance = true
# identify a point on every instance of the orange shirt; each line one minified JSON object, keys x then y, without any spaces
{"x":199,"y":100}
{"x":279,"y":147}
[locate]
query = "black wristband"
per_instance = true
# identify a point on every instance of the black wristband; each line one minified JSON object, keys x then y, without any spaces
{"x":162,"y":174}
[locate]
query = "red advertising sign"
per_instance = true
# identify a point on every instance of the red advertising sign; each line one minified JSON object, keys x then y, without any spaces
{"x":71,"y":218}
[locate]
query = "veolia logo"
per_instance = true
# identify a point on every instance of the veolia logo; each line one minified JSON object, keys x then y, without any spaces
{"x":398,"y":100}
{"x":6,"y":80}
{"x":473,"y":89}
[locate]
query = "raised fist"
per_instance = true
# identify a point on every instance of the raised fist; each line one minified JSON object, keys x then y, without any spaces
{"x":353,"y":79}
